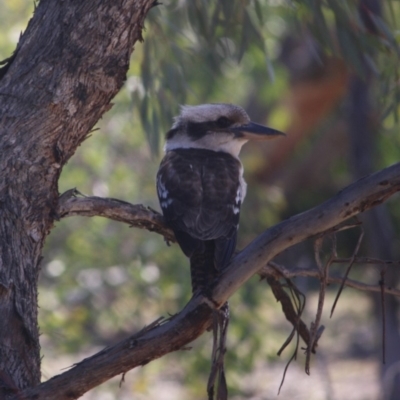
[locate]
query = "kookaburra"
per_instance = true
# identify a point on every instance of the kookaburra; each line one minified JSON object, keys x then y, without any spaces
{"x":200,"y":184}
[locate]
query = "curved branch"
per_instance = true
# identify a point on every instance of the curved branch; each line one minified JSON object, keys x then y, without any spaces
{"x":362,"y":195}
{"x":152,"y":342}
{"x":136,"y":215}
{"x":139,"y":216}
{"x":194,"y":319}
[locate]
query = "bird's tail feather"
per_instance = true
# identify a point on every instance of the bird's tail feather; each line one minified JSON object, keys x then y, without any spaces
{"x":202,"y":267}
{"x":204,"y":272}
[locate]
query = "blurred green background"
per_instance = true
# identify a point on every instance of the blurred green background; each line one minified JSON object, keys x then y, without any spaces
{"x":325,"y":72}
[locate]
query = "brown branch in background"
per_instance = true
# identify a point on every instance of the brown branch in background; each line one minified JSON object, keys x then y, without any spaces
{"x":315,"y":331}
{"x":291,"y":272}
{"x":294,"y":317}
{"x":293,"y":357}
{"x":362,"y":195}
{"x":347,"y":271}
{"x":382,"y":285}
{"x":366,"y":260}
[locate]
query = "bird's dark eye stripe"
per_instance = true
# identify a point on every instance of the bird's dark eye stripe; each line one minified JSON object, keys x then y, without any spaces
{"x":223,"y":122}
{"x":196,"y":130}
{"x":171,"y":133}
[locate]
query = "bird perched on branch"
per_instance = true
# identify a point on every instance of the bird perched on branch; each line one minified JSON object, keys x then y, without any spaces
{"x":201,"y":188}
{"x":200,"y":183}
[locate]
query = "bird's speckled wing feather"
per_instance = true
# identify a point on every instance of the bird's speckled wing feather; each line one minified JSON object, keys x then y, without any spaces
{"x":199,"y":193}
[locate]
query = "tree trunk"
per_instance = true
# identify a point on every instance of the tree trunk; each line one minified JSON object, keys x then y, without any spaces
{"x":69,"y":64}
{"x":377,"y":222}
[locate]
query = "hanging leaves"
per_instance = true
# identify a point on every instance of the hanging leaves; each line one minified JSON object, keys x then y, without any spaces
{"x":195,"y":41}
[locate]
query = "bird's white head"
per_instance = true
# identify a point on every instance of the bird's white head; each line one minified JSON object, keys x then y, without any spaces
{"x":217,"y":127}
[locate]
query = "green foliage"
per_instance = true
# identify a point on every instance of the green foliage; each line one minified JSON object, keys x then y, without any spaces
{"x":216,"y":34}
{"x":224,"y":33}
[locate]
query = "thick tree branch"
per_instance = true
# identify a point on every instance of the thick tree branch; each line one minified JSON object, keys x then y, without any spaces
{"x":197,"y":315}
{"x":358,"y":197}
{"x":73,"y":203}
{"x":137,"y":350}
{"x":362,"y":195}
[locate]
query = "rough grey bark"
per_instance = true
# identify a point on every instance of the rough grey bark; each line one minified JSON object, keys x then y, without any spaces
{"x":69,"y":64}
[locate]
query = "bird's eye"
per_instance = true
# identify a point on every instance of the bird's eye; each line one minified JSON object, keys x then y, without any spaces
{"x":223,"y":122}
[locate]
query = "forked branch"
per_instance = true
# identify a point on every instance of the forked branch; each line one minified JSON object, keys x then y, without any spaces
{"x":196,"y":317}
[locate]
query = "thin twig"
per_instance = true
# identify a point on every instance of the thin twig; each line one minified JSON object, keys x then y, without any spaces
{"x":365,"y":260}
{"x":277,"y":270}
{"x":382,"y":285}
{"x":347,"y":271}
{"x":323,"y":278}
{"x":293,"y":357}
{"x":342,"y":227}
{"x":299,"y":327}
{"x":292,"y":316}
{"x":287,"y":307}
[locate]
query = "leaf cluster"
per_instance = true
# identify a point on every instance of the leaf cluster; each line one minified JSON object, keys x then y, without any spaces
{"x":191,"y":54}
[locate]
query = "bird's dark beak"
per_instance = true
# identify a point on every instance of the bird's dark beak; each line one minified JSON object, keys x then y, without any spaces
{"x":253,"y":131}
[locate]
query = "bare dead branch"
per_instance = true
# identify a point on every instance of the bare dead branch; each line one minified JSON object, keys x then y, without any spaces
{"x":383,"y":305}
{"x":290,"y":272}
{"x":299,"y":327}
{"x":293,"y":357}
{"x":151,"y":343}
{"x":291,"y":315}
{"x":72,"y":203}
{"x":362,"y":195}
{"x":323,"y":282}
{"x":366,"y":260}
{"x":353,"y":257}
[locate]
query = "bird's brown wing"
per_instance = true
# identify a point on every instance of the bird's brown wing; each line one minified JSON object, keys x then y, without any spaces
{"x":199,"y":195}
